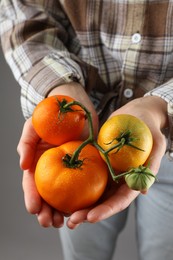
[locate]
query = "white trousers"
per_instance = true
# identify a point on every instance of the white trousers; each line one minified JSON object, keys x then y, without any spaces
{"x":154,"y":226}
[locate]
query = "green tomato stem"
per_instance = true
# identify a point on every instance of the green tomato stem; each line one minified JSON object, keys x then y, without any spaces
{"x":90,"y":138}
{"x":105,"y":154}
{"x":140,"y":170}
{"x":118,"y":145}
{"x":124,"y":139}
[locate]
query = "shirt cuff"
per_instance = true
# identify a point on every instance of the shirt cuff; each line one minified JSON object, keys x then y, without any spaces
{"x":164,"y":91}
{"x":54,"y":70}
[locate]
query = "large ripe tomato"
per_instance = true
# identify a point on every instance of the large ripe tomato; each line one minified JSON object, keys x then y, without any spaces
{"x":135,"y":133}
{"x":71,"y":188}
{"x":57,"y":125}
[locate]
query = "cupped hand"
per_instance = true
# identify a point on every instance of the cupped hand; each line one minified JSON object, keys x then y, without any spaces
{"x":152,"y":110}
{"x":31,"y":147}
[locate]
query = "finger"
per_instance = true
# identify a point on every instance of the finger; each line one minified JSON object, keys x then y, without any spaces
{"x":72,"y":226}
{"x":27,"y":145}
{"x":158,"y":151}
{"x":45,"y":216}
{"x":116,"y":203}
{"x":58,"y":219}
{"x":77,"y":218}
{"x":144,"y":192}
{"x":33,"y":201}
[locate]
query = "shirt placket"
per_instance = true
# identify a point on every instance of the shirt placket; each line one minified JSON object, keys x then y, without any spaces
{"x":131,"y":45}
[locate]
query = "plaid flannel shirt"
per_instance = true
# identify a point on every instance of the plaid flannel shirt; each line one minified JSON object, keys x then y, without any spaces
{"x":105,"y":45}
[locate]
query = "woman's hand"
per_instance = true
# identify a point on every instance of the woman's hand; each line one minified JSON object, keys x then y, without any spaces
{"x":31,"y":147}
{"x":152,"y":110}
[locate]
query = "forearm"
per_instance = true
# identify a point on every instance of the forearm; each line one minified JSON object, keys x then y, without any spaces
{"x":34,"y":39}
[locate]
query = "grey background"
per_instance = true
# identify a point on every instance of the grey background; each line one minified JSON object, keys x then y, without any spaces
{"x":21,"y":237}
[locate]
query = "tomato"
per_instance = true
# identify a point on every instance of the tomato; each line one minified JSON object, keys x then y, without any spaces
{"x":67,"y":187}
{"x":134,"y":138}
{"x":55,"y":124}
{"x":140,"y":178}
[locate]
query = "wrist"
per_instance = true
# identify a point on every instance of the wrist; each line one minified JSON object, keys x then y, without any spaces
{"x":70,"y":89}
{"x":157,"y":107}
{"x":148,"y":108}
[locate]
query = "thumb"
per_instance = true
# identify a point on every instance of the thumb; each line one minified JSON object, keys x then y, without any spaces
{"x":27,"y":145}
{"x":158,"y":151}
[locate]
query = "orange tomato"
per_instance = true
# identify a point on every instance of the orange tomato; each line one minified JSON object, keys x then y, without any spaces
{"x":134,"y":133}
{"x":70,"y":188}
{"x":57,"y":125}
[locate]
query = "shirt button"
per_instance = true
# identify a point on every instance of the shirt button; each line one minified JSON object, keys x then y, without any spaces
{"x":128,"y":92}
{"x":136,"y":38}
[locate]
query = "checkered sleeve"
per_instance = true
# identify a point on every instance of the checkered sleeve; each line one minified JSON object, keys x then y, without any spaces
{"x":34,"y":39}
{"x":164,"y":91}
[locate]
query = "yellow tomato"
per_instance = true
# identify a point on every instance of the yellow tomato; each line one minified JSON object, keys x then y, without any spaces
{"x":134,"y":138}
